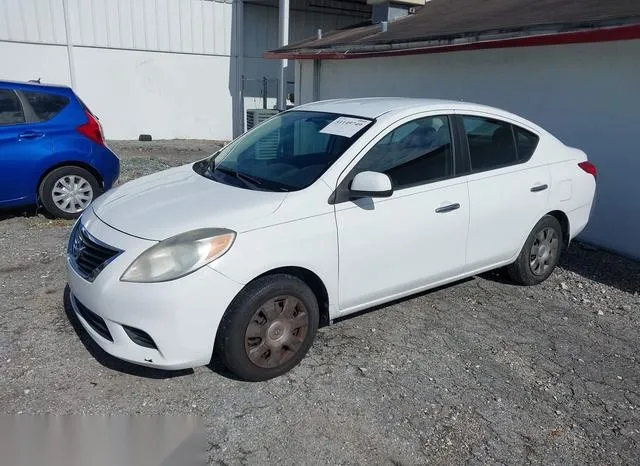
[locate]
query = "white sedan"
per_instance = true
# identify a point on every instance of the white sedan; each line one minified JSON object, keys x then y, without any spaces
{"x":321,"y":211}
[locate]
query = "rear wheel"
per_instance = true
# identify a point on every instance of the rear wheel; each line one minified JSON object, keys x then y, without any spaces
{"x":540,"y":254}
{"x":67,"y":191}
{"x":268,"y":328}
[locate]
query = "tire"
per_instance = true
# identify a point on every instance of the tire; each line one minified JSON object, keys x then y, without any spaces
{"x":540,"y":253}
{"x":61,"y":181}
{"x":256,"y":338}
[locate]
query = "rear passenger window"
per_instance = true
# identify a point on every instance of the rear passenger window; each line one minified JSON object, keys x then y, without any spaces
{"x":10,"y":108}
{"x":526,"y":142}
{"x":45,"y":106}
{"x":491,"y":143}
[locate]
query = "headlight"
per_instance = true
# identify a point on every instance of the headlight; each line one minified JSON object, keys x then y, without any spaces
{"x":179,"y":255}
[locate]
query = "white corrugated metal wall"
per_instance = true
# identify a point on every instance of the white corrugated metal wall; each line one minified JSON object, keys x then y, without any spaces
{"x":183,"y":26}
{"x":179,"y":26}
{"x":147,"y":66}
{"x":163,"y":67}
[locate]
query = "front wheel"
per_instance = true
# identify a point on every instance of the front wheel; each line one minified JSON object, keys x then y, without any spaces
{"x":67,"y":191}
{"x":540,"y":254}
{"x":268,"y":328}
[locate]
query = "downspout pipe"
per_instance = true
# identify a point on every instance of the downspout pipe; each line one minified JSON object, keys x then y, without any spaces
{"x":283,"y":41}
{"x":239,"y":38}
{"x":69,"y":39}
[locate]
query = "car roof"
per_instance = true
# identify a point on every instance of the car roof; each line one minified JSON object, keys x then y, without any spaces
{"x":374,"y":107}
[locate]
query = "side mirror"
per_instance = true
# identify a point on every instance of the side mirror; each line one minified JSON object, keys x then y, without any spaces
{"x":371,"y":184}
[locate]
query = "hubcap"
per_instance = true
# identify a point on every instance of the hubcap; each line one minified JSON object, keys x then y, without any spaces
{"x":544,"y":251}
{"x":276,"y":331}
{"x":72,"y":194}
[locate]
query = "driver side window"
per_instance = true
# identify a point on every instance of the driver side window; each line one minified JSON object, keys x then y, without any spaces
{"x":415,"y":153}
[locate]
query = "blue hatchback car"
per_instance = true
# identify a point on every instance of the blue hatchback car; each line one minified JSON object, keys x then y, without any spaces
{"x":52,"y":150}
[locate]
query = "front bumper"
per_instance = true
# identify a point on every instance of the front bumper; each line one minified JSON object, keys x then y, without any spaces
{"x":180,"y":316}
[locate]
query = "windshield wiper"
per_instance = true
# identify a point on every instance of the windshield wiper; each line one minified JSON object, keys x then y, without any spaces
{"x":247,"y":180}
{"x":230,"y":172}
{"x":252,"y":181}
{"x":260,"y":183}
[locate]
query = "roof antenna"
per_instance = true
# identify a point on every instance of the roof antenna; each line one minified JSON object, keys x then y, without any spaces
{"x":35,"y":80}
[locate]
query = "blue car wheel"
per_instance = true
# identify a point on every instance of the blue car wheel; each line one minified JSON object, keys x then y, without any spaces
{"x":67,"y":191}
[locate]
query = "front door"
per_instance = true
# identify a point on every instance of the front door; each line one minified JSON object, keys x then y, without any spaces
{"x":416,"y":237}
{"x":21,"y":146}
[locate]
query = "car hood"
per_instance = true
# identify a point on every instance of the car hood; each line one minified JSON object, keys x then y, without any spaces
{"x":177,"y":200}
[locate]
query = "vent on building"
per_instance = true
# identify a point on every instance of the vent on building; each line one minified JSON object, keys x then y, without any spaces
{"x":268,"y":146}
{"x":255,"y":116}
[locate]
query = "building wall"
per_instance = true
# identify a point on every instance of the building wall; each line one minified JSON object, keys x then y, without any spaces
{"x":262,"y":36}
{"x":168,"y":68}
{"x":586,"y":94}
{"x":24,"y":61}
{"x":162,"y":67}
{"x":163,"y":94}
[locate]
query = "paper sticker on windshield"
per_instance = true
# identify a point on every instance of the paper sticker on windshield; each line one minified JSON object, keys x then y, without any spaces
{"x":345,"y":126}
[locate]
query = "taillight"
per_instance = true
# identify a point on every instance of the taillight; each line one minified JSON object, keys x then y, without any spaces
{"x":92,"y":129}
{"x":589,"y":168}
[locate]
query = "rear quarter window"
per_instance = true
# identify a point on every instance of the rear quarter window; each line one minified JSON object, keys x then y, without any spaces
{"x":526,"y":143}
{"x":45,"y":106}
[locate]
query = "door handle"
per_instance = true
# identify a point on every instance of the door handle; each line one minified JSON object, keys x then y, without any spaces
{"x":30,"y":135}
{"x":447,"y":208}
{"x":539,"y":187}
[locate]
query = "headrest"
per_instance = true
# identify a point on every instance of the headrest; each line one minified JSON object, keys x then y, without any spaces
{"x":502,"y":136}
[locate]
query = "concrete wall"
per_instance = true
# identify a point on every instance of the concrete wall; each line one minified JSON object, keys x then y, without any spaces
{"x":166,"y":95}
{"x":588,"y":95}
{"x":24,"y":61}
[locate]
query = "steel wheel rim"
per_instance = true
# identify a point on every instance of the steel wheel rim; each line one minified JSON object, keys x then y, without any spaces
{"x":72,"y":194}
{"x":544,"y":251}
{"x":276,"y":331}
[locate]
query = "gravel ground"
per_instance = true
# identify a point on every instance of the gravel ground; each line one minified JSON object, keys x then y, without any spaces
{"x":481,"y":372}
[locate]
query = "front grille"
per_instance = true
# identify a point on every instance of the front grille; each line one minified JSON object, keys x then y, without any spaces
{"x":87,"y":254}
{"x":140,"y":337}
{"x":94,"y":320}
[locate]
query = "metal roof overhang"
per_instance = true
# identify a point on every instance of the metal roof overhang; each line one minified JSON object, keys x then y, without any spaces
{"x":475,"y":42}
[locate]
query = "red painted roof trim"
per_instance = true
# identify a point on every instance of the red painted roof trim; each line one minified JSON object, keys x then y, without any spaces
{"x":576,"y":37}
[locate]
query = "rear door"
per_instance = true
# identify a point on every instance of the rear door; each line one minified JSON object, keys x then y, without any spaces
{"x":508,"y":187}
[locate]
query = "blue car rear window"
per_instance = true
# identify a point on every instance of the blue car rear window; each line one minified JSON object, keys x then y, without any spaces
{"x":44,"y":105}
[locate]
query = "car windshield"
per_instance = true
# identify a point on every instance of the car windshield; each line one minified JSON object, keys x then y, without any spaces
{"x":285,"y":153}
